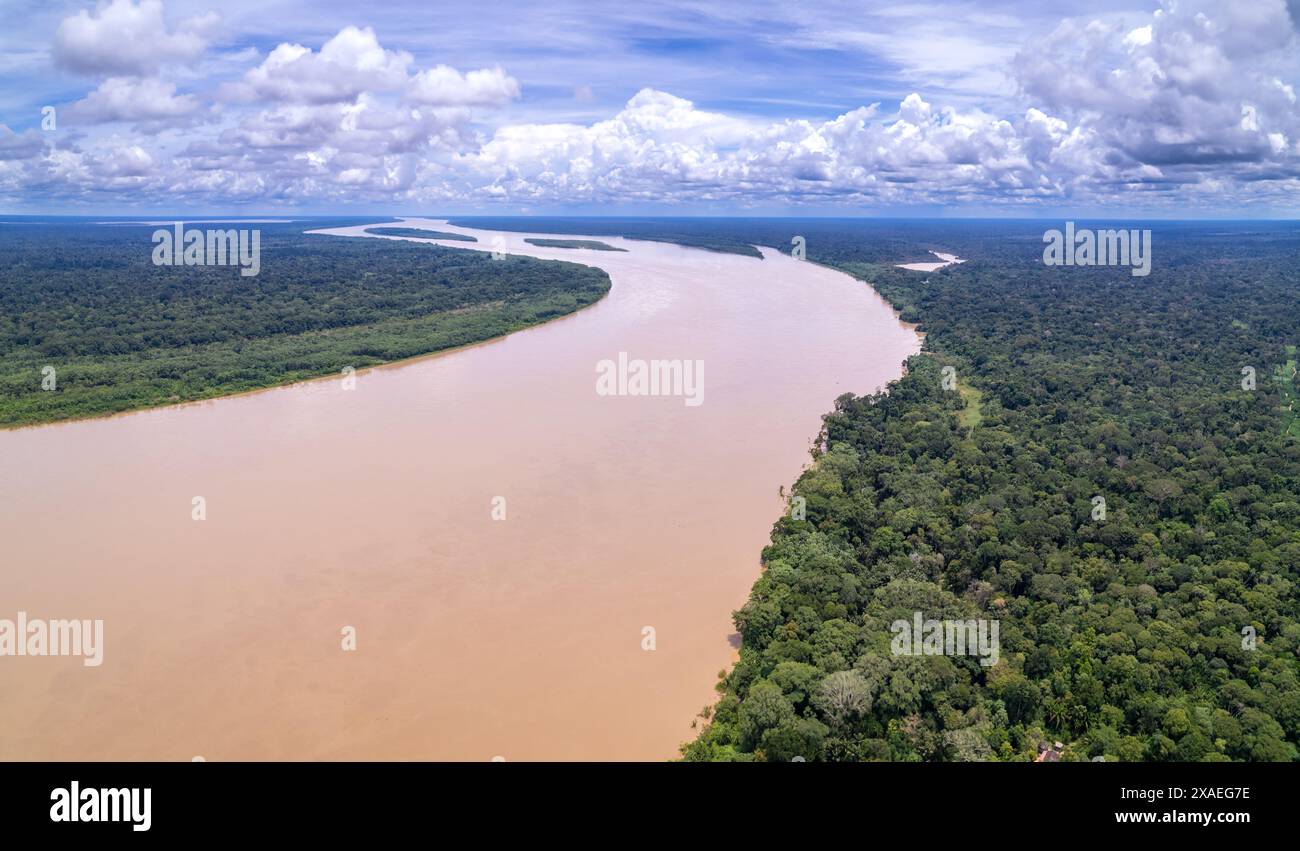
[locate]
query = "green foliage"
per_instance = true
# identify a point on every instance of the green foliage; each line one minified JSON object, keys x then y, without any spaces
{"x":1121,"y":637}
{"x":572,"y":243}
{"x":123,"y":333}
{"x":423,"y":233}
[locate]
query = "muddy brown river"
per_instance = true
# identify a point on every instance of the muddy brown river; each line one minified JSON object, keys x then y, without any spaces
{"x":505,"y":543}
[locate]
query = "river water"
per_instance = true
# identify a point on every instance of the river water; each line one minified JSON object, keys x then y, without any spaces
{"x":496,"y":534}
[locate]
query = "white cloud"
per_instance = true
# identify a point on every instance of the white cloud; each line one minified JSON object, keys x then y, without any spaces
{"x":125,"y":37}
{"x":127,"y":99}
{"x":348,"y":64}
{"x":1197,"y":87}
{"x":129,"y":161}
{"x":353,"y":62}
{"x":20,"y":146}
{"x":1139,"y":37}
{"x":444,"y":86}
{"x":655,"y":139}
{"x":661,"y":145}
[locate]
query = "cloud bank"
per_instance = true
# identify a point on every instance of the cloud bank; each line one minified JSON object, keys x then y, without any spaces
{"x":1190,"y":106}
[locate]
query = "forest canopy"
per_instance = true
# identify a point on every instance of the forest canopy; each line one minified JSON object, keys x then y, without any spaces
{"x":118,"y":332}
{"x":1164,"y":627}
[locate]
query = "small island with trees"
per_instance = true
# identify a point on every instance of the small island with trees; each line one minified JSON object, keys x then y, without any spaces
{"x":422,"y":233}
{"x":593,"y":245}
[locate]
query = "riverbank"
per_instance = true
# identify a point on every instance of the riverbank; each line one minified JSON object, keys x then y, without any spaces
{"x":533,"y":570}
{"x":944,"y":260}
{"x":129,"y":335}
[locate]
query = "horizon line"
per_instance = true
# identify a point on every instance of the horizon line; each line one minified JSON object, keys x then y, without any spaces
{"x":288,"y":216}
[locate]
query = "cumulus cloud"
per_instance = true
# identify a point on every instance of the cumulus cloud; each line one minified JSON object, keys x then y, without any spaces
{"x":110,"y":168}
{"x":350,"y":120}
{"x":661,"y":145}
{"x":128,"y":38}
{"x":366,"y":125}
{"x":353,"y":62}
{"x":442,"y":85}
{"x":348,"y":64}
{"x":655,"y":139}
{"x":128,"y":161}
{"x":128,"y":99}
{"x":20,"y":146}
{"x":653,"y":126}
{"x":1195,"y":88}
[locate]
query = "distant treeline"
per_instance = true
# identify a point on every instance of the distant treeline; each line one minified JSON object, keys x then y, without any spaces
{"x":680,"y":231}
{"x":826,"y":240}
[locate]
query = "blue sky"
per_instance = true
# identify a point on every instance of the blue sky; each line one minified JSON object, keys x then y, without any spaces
{"x":1172,"y":109}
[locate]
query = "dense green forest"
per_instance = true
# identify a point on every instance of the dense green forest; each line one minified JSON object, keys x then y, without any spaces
{"x":1167,"y":628}
{"x":422,"y":233}
{"x":121,"y":333}
{"x":592,"y":244}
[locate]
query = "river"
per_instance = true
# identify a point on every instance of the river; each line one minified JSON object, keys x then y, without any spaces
{"x":496,"y":534}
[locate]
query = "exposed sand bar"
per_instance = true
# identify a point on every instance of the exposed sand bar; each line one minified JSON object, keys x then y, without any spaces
{"x":372,"y":508}
{"x":944,"y":260}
